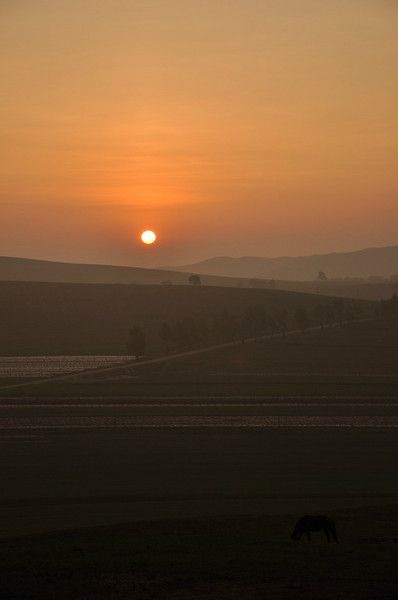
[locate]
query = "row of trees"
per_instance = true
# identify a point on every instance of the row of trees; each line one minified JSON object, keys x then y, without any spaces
{"x":326,"y":313}
{"x":389,"y":308}
{"x":223,"y":326}
{"x":254,"y":321}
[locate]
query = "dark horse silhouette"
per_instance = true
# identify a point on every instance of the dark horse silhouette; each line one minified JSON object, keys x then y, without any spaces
{"x":310,"y":523}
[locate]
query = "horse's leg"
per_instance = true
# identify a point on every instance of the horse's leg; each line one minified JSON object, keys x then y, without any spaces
{"x":309,"y":535}
{"x":327,"y":534}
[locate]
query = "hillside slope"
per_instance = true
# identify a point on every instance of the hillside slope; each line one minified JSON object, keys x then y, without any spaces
{"x":53,"y":318}
{"x":24,"y":269}
{"x":343,"y":289}
{"x":361,"y":263}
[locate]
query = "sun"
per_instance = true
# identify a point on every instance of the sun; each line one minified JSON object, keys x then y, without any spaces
{"x":148,"y":237}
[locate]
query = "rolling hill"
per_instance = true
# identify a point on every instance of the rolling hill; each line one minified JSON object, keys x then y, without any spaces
{"x":365,"y":263}
{"x":25,"y":269}
{"x":63,"y":318}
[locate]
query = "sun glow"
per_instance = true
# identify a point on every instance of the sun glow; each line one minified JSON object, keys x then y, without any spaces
{"x":148,"y":237}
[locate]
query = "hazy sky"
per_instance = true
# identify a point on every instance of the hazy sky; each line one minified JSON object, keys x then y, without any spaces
{"x":235,"y":127}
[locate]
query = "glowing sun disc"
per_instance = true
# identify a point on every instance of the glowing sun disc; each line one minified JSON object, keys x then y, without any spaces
{"x":148,"y":237}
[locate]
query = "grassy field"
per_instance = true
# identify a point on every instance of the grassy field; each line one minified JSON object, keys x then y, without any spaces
{"x":206,"y":512}
{"x":53,"y":479}
{"x":51,"y":318}
{"x":155,"y":472}
{"x":357,"y":359}
{"x":249,"y":557}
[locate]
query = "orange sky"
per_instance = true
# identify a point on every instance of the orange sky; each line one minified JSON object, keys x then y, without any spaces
{"x":230,"y":127}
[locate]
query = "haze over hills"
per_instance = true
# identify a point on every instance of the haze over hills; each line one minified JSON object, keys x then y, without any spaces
{"x":361,"y":263}
{"x":25,"y":269}
{"x":30,"y":270}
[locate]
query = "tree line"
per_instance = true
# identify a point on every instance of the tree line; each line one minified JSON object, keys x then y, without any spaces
{"x":389,"y":308}
{"x":224,"y":326}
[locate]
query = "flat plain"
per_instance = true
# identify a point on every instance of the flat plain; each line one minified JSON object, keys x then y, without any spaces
{"x":210,"y":459}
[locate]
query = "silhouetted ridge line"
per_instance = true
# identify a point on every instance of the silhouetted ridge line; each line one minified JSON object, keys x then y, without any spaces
{"x":364,"y":263}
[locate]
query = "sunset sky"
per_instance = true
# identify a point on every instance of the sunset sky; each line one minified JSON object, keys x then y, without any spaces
{"x":240,"y":127}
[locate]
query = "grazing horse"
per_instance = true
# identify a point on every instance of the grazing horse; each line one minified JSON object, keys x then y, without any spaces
{"x":310,"y":523}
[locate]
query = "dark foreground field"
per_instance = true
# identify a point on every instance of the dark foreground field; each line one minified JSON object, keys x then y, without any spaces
{"x":58,"y":479}
{"x":181,"y":479}
{"x":223,"y":558}
{"x":182,"y":493}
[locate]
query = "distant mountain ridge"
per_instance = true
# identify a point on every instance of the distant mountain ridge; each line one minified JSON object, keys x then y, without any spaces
{"x":382,"y":261}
